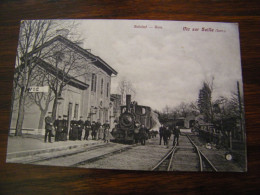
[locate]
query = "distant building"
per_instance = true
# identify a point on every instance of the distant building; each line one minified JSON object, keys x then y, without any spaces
{"x":86,"y":95}
{"x":117,"y":103}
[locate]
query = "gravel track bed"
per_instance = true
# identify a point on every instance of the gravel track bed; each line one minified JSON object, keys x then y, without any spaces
{"x":40,"y":157}
{"x":71,"y":160}
{"x":138,"y":158}
{"x":217,"y":157}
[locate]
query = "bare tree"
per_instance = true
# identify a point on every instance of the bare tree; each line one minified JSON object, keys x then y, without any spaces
{"x":42,"y":100}
{"x":33,"y":33}
{"x":126,"y":87}
{"x":166,"y":110}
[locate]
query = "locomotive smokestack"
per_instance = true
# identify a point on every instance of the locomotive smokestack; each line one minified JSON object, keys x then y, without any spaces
{"x":128,"y":102}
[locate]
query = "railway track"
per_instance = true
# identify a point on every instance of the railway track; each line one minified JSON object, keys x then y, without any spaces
{"x":105,"y":155}
{"x":186,"y":157}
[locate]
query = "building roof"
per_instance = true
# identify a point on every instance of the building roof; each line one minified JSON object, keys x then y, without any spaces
{"x":97,"y":61}
{"x":67,"y":78}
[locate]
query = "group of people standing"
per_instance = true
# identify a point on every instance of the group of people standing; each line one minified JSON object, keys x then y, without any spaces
{"x":100,"y":132}
{"x":165,"y":134}
{"x":59,"y":129}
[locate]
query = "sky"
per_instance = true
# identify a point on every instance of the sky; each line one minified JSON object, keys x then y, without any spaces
{"x":166,"y":61}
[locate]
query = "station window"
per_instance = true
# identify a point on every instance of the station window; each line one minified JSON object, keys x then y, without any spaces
{"x":107,"y":89}
{"x":94,"y":82}
{"x":102,"y":84}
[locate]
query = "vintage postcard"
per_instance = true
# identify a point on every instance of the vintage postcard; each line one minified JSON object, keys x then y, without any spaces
{"x":128,"y":94}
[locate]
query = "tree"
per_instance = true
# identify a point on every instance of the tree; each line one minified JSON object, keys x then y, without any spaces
{"x":204,"y":102}
{"x":125,"y":87}
{"x":166,"y":110}
{"x":42,"y":100}
{"x":233,"y":111}
{"x":33,"y":33}
{"x":68,"y":66}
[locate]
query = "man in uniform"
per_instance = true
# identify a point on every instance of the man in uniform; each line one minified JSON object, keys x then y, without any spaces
{"x":71,"y":130}
{"x":58,"y":129}
{"x":87,"y":126}
{"x":64,"y":132}
{"x":166,"y":135}
{"x":142,"y":132}
{"x":148,"y":135}
{"x":176,"y":133}
{"x":93,"y":130}
{"x":48,"y":127}
{"x":161,"y":132}
{"x":74,"y":130}
{"x":80,"y":128}
{"x":136,"y":132}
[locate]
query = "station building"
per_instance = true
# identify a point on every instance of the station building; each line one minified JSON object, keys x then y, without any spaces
{"x":87,"y":80}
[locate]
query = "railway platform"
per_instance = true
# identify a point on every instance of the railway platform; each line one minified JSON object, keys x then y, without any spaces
{"x":29,"y":145}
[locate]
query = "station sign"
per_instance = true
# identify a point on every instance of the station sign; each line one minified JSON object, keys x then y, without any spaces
{"x":38,"y":89}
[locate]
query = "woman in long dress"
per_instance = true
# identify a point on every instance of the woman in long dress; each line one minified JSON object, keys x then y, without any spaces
{"x":101,"y":132}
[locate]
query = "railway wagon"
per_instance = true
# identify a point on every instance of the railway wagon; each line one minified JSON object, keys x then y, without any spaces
{"x":131,"y":117}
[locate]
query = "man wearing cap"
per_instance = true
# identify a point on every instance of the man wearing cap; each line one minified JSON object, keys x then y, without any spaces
{"x":166,"y":135}
{"x":64,"y":132}
{"x":93,"y":130}
{"x":73,"y":130}
{"x":48,"y":127}
{"x":142,"y":134}
{"x":80,"y":128}
{"x":58,"y":129}
{"x":87,"y":126}
{"x":161,"y":133}
{"x":98,"y":129}
{"x":176,"y":133}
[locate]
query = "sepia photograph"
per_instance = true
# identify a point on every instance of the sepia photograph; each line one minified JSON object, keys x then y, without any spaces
{"x":148,"y":95}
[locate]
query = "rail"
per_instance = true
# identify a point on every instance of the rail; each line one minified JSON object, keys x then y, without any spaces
{"x":200,"y":154}
{"x":171,"y":152}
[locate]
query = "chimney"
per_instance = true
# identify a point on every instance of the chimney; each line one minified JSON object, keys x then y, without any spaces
{"x":63,"y":32}
{"x":80,"y":43}
{"x":128,"y":102}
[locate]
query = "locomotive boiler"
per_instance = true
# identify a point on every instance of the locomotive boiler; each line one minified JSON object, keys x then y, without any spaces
{"x":131,"y":118}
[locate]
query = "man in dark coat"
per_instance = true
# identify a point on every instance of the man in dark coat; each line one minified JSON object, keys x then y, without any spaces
{"x":73,"y":130}
{"x":166,"y":135}
{"x":176,"y":133}
{"x":142,"y":134}
{"x":80,"y":128}
{"x":148,"y":135}
{"x":48,"y":127}
{"x":64,"y":132}
{"x":58,"y":129}
{"x":93,"y":130}
{"x":161,"y":132}
{"x":87,"y":126}
{"x":98,"y":129}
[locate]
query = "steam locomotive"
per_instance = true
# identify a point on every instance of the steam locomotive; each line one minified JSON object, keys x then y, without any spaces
{"x":131,"y":118}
